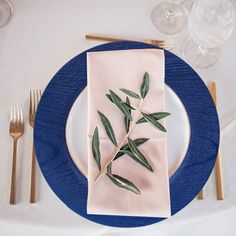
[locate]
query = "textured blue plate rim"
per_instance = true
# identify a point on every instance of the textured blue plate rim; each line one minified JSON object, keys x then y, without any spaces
{"x":60,"y":171}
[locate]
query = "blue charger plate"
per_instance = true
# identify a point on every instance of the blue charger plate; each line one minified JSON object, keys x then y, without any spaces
{"x":66,"y":180}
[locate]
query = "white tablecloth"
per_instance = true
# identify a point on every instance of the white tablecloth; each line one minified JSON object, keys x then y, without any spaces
{"x":41,"y":36}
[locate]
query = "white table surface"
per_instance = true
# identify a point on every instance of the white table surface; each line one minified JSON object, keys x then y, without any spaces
{"x":42,"y":36}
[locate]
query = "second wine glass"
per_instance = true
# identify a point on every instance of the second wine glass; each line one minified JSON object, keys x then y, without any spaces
{"x":169,"y":17}
{"x":211,"y":22}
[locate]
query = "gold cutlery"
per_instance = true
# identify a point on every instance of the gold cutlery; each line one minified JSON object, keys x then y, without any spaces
{"x":218,"y":166}
{"x":16,"y":131}
{"x":35,"y":95}
{"x":166,"y":44}
{"x":200,"y":195}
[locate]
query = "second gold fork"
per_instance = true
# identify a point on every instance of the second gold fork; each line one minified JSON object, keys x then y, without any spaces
{"x":166,"y":44}
{"x":35,"y":95}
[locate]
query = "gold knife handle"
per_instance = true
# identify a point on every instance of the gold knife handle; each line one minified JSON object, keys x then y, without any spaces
{"x":219,"y":181}
{"x":218,"y":167}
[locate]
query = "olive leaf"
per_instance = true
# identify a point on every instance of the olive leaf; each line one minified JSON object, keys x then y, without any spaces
{"x":125,"y":103}
{"x":123,"y":183}
{"x":128,"y":105}
{"x":109,"y":167}
{"x":156,"y":116}
{"x":145,"y":85}
{"x":138,"y":142}
{"x":130,"y":93}
{"x":139,"y":156}
{"x":153,"y":122}
{"x":141,"y":161}
{"x":109,"y":97}
{"x":127,"y":121}
{"x":95,"y":148}
{"x":108,"y":128}
{"x":118,"y":102}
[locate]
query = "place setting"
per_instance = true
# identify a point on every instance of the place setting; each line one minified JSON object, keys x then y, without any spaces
{"x":126,"y":133}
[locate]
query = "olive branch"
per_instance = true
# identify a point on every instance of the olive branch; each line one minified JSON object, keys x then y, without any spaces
{"x":127,"y":145}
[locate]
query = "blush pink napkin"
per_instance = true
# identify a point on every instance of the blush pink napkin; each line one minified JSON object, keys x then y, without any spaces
{"x":125,"y":69}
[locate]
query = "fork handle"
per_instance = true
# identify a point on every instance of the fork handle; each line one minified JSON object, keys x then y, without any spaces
{"x":32,"y":185}
{"x":105,"y":38}
{"x":13,"y":175}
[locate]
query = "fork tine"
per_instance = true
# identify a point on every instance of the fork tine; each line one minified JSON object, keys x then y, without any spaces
{"x":14,"y":114}
{"x":167,"y":40}
{"x":31,"y":105}
{"x":13,"y":107}
{"x":11,"y":114}
{"x":167,"y":48}
{"x":18,"y":114}
{"x":165,"y":43}
{"x":21,"y":116}
{"x":32,"y":101}
{"x":39,"y":96}
{"x":35,"y":100}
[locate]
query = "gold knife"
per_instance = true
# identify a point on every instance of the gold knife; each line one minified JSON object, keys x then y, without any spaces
{"x":218,"y":166}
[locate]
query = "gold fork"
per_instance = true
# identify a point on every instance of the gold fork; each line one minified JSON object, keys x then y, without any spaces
{"x":35,"y":95}
{"x":16,"y":131}
{"x":166,"y":44}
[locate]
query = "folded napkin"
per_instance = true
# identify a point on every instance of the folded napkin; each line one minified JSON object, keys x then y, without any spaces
{"x":125,"y":69}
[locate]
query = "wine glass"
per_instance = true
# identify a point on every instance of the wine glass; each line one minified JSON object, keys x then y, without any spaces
{"x":6,"y":11}
{"x":211,"y":22}
{"x":169,"y":17}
